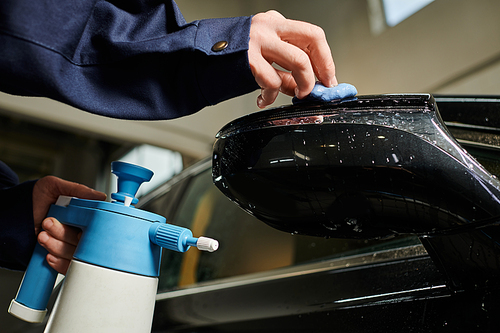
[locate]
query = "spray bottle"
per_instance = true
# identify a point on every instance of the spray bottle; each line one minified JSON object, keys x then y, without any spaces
{"x":112,"y":280}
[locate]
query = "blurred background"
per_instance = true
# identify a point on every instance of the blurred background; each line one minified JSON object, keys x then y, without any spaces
{"x":380,"y":46}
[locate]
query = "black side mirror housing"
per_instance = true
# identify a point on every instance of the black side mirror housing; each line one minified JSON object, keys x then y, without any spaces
{"x":373,"y":167}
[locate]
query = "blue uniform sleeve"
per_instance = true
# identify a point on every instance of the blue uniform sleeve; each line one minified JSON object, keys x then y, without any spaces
{"x":17,"y":231}
{"x":128,"y":59}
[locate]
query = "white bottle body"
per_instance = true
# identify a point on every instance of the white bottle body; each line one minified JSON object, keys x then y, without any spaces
{"x":97,"y":299}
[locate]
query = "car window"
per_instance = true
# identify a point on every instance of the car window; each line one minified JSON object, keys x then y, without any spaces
{"x":247,"y":245}
{"x":165,"y":204}
{"x":484,"y":146}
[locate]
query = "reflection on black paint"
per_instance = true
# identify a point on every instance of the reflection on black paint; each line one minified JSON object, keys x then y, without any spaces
{"x":362,"y":173}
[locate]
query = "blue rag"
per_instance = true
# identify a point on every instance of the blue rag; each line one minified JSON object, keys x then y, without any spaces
{"x":320,"y":93}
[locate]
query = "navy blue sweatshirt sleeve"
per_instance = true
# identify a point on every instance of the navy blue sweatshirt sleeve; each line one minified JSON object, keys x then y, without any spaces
{"x":17,"y":231}
{"x":128,"y":59}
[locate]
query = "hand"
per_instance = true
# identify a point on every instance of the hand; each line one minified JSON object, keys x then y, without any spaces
{"x":296,"y":46}
{"x":59,"y":239}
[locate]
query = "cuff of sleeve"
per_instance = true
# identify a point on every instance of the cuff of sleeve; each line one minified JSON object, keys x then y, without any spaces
{"x":17,"y":236}
{"x":224,"y":73}
{"x":234,"y":30}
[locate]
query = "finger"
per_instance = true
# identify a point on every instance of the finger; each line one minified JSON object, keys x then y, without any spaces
{"x":312,"y":40}
{"x":267,"y":78}
{"x":276,"y":14}
{"x":49,"y":188}
{"x":324,"y":67}
{"x":324,"y":75}
{"x":56,"y":247}
{"x":60,"y":231}
{"x":59,"y":264}
{"x":78,"y":190}
{"x":297,"y":61}
{"x":267,"y":96}
{"x":288,"y":83}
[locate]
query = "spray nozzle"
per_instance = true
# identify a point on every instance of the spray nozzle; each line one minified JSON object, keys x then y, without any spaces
{"x":179,"y":239}
{"x":207,"y":244}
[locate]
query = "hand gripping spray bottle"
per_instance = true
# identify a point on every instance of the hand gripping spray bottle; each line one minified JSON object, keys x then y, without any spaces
{"x":112,"y":281}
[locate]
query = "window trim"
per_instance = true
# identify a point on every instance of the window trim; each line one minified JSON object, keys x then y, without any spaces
{"x":368,"y":259}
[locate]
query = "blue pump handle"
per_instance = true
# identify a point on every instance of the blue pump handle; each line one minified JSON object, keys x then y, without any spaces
{"x":38,"y":281}
{"x":39,"y":278}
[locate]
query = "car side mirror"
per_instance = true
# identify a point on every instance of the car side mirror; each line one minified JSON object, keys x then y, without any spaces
{"x":374,"y":167}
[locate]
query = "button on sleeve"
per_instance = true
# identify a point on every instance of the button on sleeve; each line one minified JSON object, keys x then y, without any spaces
{"x":219,"y":46}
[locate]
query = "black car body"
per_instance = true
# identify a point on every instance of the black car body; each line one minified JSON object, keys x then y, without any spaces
{"x":437,"y":273}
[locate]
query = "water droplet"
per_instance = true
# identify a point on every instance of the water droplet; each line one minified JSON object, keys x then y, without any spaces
{"x":351,"y":221}
{"x":331,"y":227}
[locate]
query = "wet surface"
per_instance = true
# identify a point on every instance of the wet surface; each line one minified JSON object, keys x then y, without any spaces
{"x":370,"y":168}
{"x":385,"y":181}
{"x":355,"y":174}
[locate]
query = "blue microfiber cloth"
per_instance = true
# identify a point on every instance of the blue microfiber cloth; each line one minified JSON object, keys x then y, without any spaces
{"x":320,"y":93}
